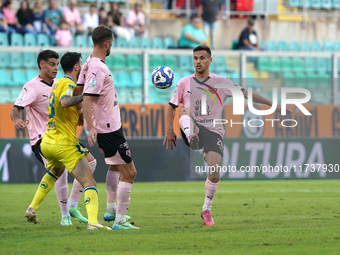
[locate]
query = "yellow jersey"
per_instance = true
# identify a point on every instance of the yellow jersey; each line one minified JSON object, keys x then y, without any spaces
{"x":62,"y":122}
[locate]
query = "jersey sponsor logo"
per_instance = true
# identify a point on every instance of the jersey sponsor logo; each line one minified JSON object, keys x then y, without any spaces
{"x":21,"y":96}
{"x":69,"y":92}
{"x":93,"y":83}
{"x":87,"y":201}
{"x":43,"y":185}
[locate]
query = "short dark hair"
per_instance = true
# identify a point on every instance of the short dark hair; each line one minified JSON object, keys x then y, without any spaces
{"x":192,"y":17}
{"x":69,"y":60}
{"x":101,"y":34}
{"x":203,"y":47}
{"x":45,"y":55}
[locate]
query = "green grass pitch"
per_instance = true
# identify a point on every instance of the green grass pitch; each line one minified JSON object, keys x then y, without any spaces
{"x":251,"y":217}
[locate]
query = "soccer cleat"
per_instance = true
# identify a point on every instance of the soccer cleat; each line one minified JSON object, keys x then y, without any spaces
{"x":66,"y":221}
{"x":31,"y":215}
{"x":125,"y":225}
{"x":193,"y":142}
{"x":97,"y":227}
{"x":112,"y":216}
{"x":206,"y":216}
{"x":74,"y":212}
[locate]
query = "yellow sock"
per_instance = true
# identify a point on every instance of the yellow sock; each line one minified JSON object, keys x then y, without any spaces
{"x":91,"y":204}
{"x":46,"y":184}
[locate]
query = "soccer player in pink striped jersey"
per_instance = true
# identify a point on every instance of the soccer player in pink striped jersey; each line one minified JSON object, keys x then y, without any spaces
{"x":198,"y":130}
{"x":102,"y":120}
{"x":34,"y":97}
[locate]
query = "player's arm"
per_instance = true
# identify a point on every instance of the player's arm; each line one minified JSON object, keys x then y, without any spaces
{"x":87,"y":106}
{"x":79,"y":91}
{"x":18,"y":123}
{"x":68,"y":101}
{"x":170,"y":137}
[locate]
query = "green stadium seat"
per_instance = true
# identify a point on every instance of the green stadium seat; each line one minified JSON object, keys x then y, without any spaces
{"x":137,"y":96}
{"x":18,"y":77}
{"x":80,"y":41}
{"x":134,"y":43}
{"x":305,"y":46}
{"x":271,"y":45}
{"x":220,"y":64}
{"x":134,"y":62}
{"x":293,"y":3}
{"x":324,"y":80}
{"x":145,"y":43}
{"x":17,"y":40}
{"x":29,"y":60}
{"x":326,"y":4}
{"x":89,"y":41}
{"x":336,"y":46}
{"x":327,"y":46}
{"x":186,"y":73}
{"x":171,"y":61}
{"x":185,"y":63}
{"x":298,"y":65}
{"x":234,"y":45}
{"x":121,"y":42}
{"x":119,"y":62}
{"x":5,"y":78}
{"x":31,"y":73}
{"x":5,"y":96}
{"x":282,"y":46}
{"x":157,"y":43}
{"x":315,"y":4}
{"x":123,"y":79}
{"x":16,"y":60}
{"x":155,"y":61}
{"x":300,"y":79}
{"x":224,"y":74}
{"x":30,"y":40}
{"x":307,"y":3}
{"x":251,"y":83}
{"x":315,"y":46}
{"x":288,"y":80}
{"x":109,"y":61}
{"x":4,"y":59}
{"x":336,"y":4}
{"x":262,"y":44}
{"x":43,"y":40}
{"x":311,"y":79}
{"x":3,"y":39}
{"x":310,"y":65}
{"x":263,"y":64}
{"x":169,"y":43}
{"x":321,"y":65}
{"x":275,"y":64}
{"x":235,"y":77}
{"x":294,"y":46}
{"x":136,"y":79}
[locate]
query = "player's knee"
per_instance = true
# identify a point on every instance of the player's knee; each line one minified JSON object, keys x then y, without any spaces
{"x":184,"y":111}
{"x":214,"y":180}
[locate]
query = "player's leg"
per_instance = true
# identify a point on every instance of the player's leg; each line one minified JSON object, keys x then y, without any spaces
{"x":61,"y":189}
{"x":83,"y":174}
{"x":112,"y":178}
{"x":127,"y":176}
{"x":213,"y":159}
{"x":188,"y":127}
{"x":46,"y":184}
{"x":77,"y":190}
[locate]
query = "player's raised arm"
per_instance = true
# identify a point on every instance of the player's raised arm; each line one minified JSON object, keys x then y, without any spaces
{"x":18,"y":123}
{"x":170,"y":136}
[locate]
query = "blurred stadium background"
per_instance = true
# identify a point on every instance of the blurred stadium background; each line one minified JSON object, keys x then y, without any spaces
{"x":302,"y":42}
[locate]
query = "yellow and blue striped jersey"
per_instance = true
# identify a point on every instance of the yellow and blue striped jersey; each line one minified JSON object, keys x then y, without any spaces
{"x":62,"y":122}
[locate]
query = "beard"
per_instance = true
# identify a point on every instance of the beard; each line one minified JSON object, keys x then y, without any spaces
{"x":108,"y":51}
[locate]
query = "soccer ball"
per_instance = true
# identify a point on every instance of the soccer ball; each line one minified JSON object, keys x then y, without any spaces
{"x":162,"y":77}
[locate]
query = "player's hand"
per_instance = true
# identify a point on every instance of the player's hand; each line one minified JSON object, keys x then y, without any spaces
{"x":170,"y":138}
{"x":279,"y":109}
{"x":19,"y":124}
{"x":81,"y":119}
{"x":92,"y":137}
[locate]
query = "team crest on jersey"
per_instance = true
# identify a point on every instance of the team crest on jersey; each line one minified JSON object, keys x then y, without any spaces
{"x":21,"y":96}
{"x":93,"y":83}
{"x":175,"y":93}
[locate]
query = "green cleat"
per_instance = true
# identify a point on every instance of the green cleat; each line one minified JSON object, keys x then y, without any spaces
{"x":74,"y":212}
{"x":112,"y":216}
{"x":66,"y":221}
{"x":125,"y":225}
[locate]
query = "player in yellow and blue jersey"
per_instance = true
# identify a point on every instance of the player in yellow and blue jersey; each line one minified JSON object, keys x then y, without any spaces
{"x":60,"y":144}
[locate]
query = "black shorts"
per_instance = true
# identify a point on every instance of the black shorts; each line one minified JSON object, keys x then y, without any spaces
{"x":112,"y":142}
{"x":208,"y":140}
{"x":37,"y":152}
